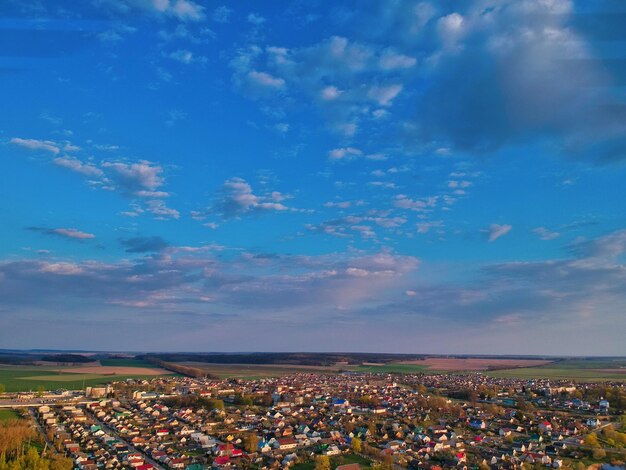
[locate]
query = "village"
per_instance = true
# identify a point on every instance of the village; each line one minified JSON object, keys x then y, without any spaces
{"x":347,"y":421}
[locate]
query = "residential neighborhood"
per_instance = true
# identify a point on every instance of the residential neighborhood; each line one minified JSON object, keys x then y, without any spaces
{"x":305,"y":421}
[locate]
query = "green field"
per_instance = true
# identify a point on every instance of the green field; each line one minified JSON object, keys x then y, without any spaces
{"x":23,"y":379}
{"x":391,"y":368}
{"x":8,"y":413}
{"x":336,"y":461}
{"x":556,"y":371}
{"x":121,"y":362}
{"x":253,"y":371}
{"x":581,"y":370}
{"x":584,"y":370}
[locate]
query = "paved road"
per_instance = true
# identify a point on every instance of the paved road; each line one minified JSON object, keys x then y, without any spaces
{"x":42,"y":431}
{"x":130,"y":446}
{"x":4,"y":403}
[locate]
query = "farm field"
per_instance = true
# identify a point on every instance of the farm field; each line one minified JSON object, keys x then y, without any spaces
{"x":123,"y":362}
{"x":393,"y":367}
{"x":558,"y":372}
{"x":583,"y":370}
{"x":476,"y":364}
{"x":27,"y":378}
{"x":114,"y":370}
{"x":7,"y":414}
{"x":253,"y":371}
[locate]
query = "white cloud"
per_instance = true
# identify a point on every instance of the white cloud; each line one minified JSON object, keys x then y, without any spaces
{"x":330,"y":93}
{"x":266,"y":80}
{"x":34,"y":144}
{"x":61,"y":268}
{"x":74,"y":164}
{"x":344,"y":153}
{"x":450,"y":29}
{"x":222,"y":14}
{"x":158,"y":208}
{"x":135,"y":177}
{"x":384,"y":95}
{"x":72,"y":233}
{"x":390,"y":60}
{"x":236,"y":199}
{"x":256,"y":19}
{"x":404,"y":202}
{"x":545,"y":234}
{"x":496,"y":231}
{"x":424,"y":227}
{"x":182,"y":10}
{"x":186,"y":10}
{"x":182,"y":55}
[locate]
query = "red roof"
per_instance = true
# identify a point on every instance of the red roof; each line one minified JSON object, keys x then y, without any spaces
{"x":224,"y":459}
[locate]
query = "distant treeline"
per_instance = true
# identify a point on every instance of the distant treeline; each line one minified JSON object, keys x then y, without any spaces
{"x":73,"y":358}
{"x":304,"y":359}
{"x":30,"y":359}
{"x":189,"y":371}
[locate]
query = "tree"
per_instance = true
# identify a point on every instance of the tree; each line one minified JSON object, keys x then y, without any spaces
{"x":250,"y":442}
{"x":40,"y":390}
{"x":58,"y":462}
{"x":356,"y":444}
{"x":591,"y":440}
{"x":599,"y":454}
{"x":322,"y":462}
{"x":215,"y":404}
{"x":2,"y":389}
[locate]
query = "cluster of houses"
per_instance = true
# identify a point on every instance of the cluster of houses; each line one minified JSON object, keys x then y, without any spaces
{"x":286,"y":421}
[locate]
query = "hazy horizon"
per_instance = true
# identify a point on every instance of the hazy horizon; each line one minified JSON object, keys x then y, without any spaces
{"x":410,"y":177}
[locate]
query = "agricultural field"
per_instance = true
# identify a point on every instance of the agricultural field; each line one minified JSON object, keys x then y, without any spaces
{"x":583,"y":370}
{"x":583,"y":375}
{"x":477,"y":364}
{"x":32,"y":378}
{"x":130,"y":362}
{"x":7,"y":414}
{"x":254,"y":371}
{"x":392,"y":368}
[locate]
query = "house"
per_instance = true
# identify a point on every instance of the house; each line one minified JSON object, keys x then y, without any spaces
{"x":477,"y":424}
{"x":221,"y":461}
{"x":287,"y":443}
{"x":545,"y":426}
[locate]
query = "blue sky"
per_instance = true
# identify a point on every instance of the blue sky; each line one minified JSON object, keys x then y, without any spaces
{"x":398,"y":176}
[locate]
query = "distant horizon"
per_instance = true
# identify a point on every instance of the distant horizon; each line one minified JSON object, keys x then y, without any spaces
{"x":359,"y":174}
{"x":128,"y":352}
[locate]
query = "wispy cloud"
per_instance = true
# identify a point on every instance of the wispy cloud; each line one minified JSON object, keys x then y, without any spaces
{"x":64,"y":232}
{"x":236,"y":199}
{"x":496,"y":231}
{"x":34,"y":144}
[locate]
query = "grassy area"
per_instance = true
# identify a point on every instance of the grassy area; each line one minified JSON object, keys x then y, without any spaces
{"x":23,"y":379}
{"x":336,"y":461}
{"x":8,"y":413}
{"x":557,"y":372}
{"x":394,"y":368}
{"x":121,"y":362}
{"x":252,"y":371}
{"x":591,"y":364}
